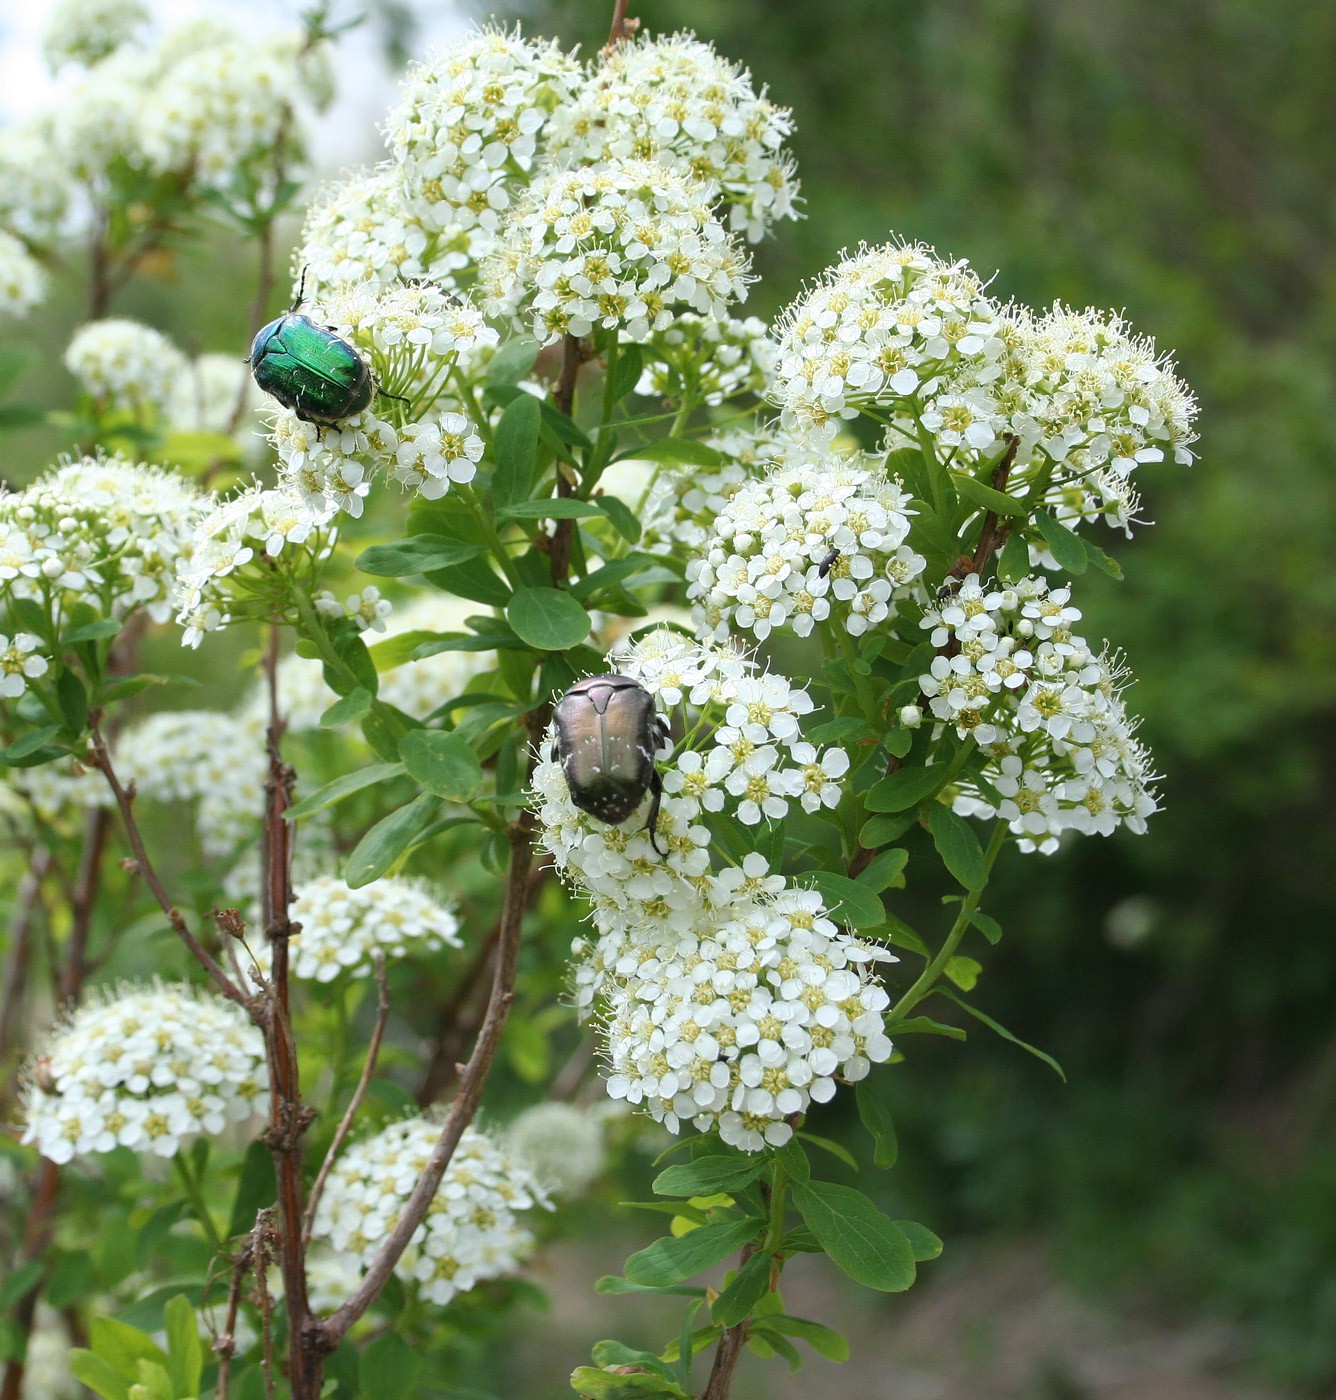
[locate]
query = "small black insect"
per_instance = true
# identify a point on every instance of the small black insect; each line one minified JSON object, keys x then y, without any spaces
{"x":607,"y":733}
{"x":828,"y":563}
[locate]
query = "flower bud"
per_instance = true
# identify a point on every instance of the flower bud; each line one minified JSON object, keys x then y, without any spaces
{"x":911,"y":716}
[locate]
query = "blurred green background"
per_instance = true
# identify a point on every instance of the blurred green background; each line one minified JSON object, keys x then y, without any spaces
{"x":1174,"y":160}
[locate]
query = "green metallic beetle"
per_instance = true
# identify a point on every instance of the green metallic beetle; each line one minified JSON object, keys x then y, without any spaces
{"x":607,"y":733}
{"x":310,"y":369}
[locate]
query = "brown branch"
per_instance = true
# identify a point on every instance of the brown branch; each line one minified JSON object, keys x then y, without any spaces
{"x":355,"y":1103}
{"x":100,"y":758}
{"x":729,"y":1351}
{"x":252,"y":1252}
{"x":471,"y":1083}
{"x":97,"y":827}
{"x":622,"y":28}
{"x":19,"y":939}
{"x":456,"y":1029}
{"x":990,"y":537}
{"x":36,"y":1238}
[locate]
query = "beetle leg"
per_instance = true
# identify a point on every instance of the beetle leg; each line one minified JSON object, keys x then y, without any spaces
{"x":552,"y":753}
{"x":301,"y":292}
{"x":652,"y":821}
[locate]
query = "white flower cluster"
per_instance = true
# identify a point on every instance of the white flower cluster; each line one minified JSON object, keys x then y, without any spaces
{"x":84,"y":31}
{"x":471,"y":1231}
{"x":1045,"y":710}
{"x":343,"y":929}
{"x":625,"y":245}
{"x":708,"y":360}
{"x":793,"y":547}
{"x":561,"y":1144}
{"x":22,"y":281}
{"x":204,"y":756}
{"x":125,"y":365}
{"x":674,"y":100}
{"x":884,"y":325}
{"x":205,"y":395}
{"x":470,"y":128}
{"x":657,"y":915}
{"x":367,"y":609}
{"x":34,"y":188}
{"x":102,"y":532}
{"x":147,"y":1068}
{"x":211,"y":582}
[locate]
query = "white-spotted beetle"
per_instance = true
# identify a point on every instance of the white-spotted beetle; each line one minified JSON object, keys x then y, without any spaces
{"x":607,"y":733}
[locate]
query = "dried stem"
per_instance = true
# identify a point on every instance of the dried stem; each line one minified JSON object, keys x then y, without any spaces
{"x":226,"y":1343}
{"x":100,"y":758}
{"x":19,"y":940}
{"x":355,"y":1103}
{"x":471,"y":1083}
{"x":36,"y":1238}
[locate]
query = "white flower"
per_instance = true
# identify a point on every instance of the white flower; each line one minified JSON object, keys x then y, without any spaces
{"x":20,"y":662}
{"x":84,"y":31}
{"x":621,"y":246}
{"x":883,"y":327}
{"x":794,"y":547}
{"x":123,"y":364}
{"x":434,"y":453}
{"x":561,"y":1144}
{"x":675,"y":100}
{"x":469,"y":129}
{"x":342,"y":929}
{"x":471,"y":1231}
{"x":1046,"y":711}
{"x":146,"y":1068}
{"x":22,"y":281}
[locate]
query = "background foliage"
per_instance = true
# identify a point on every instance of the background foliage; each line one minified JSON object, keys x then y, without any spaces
{"x":1174,"y":161}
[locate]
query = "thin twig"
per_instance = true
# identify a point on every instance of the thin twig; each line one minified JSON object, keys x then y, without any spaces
{"x":97,"y":826}
{"x":989,"y":537}
{"x":355,"y":1103}
{"x":728,"y":1352}
{"x":100,"y":758}
{"x":19,"y":938}
{"x":471,"y":1082}
{"x":563,"y":537}
{"x":622,"y":28}
{"x":226,"y":1343}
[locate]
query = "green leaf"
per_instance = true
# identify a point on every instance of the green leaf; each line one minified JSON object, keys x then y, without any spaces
{"x":1003,"y":1032}
{"x":611,"y":1283}
{"x":848,"y":900}
{"x":29,"y":743}
{"x":922,"y":1241}
{"x":157,"y":1227}
{"x":91,"y":632}
{"x":153,"y":1384}
{"x":838,"y":731}
{"x":624,"y":519}
{"x":185,"y":1355}
{"x":977,"y":494}
{"x":1014,"y":561}
{"x":880,"y":831}
{"x":378,"y":850}
{"x":515,"y":448}
{"x":443,"y":763}
{"x":73,"y":701}
{"x":475,"y":580}
{"x":512,"y":362}
{"x":255,"y":1189}
{"x":100,"y":1376}
{"x":877,"y":1120}
{"x":123,"y":1346}
{"x":343,"y":787}
{"x":614,"y":1353}
{"x":764,"y":1341}
{"x":884,"y":869}
{"x":418,"y":554}
{"x":354,"y":706}
{"x":708,"y":1176}
{"x":626,"y":372}
{"x":72,"y":1276}
{"x":674,"y":1259}
{"x":829,"y":1145}
{"x":1103,"y":562}
{"x":604,"y":1385}
{"x":822,"y":1340}
{"x":547,"y":618}
{"x":552,"y":508}
{"x":925,"y":1025}
{"x":567,"y":429}
{"x":467,"y":641}
{"x":20,"y":1282}
{"x":866,"y":1244}
{"x":792,"y":1156}
{"x":904,"y":789}
{"x":676,"y":449}
{"x":987,"y":925}
{"x":750,"y":1284}
{"x":389,"y":1366}
{"x":958,"y":846}
{"x":963,"y":971}
{"x":1066,"y":547}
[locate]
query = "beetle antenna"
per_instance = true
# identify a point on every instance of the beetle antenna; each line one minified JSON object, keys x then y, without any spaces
{"x":385,"y":394}
{"x":301,"y":291}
